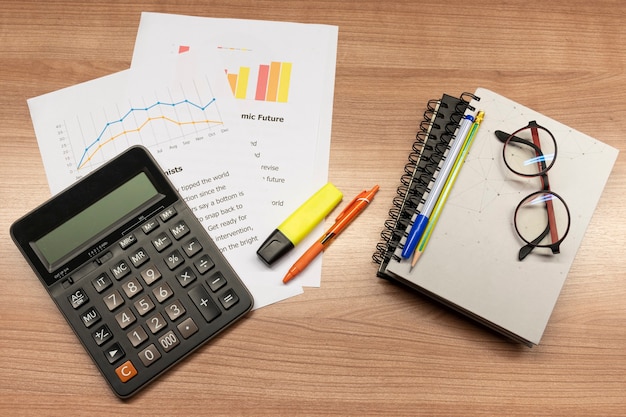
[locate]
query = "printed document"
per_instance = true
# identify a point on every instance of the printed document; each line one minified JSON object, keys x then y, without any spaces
{"x":282,"y":77}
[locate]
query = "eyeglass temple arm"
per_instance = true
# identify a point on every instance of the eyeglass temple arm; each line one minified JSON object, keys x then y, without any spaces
{"x":504,"y":137}
{"x":527,"y":248}
{"x":554,"y":235}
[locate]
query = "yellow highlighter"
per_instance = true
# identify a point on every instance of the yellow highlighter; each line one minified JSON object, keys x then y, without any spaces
{"x":299,"y":224}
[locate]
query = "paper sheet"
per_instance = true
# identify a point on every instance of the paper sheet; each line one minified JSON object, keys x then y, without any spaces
{"x":282,"y":75}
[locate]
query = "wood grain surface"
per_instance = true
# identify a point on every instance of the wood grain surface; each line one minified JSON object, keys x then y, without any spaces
{"x":358,"y":345}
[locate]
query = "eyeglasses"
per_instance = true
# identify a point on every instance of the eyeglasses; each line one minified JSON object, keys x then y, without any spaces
{"x":542,"y":218}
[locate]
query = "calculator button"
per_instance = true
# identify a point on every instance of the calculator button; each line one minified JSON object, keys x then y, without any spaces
{"x":156,"y":323}
{"x":174,"y":259}
{"x":179,"y":229}
{"x":150,"y":274}
{"x":175,"y":310}
{"x":162,"y":292}
{"x":186,"y":277}
{"x":90,"y":317}
{"x":216,"y":281}
{"x":149,"y":355}
{"x":144,"y":305}
{"x":132,"y":287}
{"x":161,"y":242}
{"x":192,"y":247}
{"x":205,"y":304}
{"x":169,"y":341}
{"x":187,"y":328}
{"x":137,"y":336}
{"x":204,"y":264}
{"x":102,"y":282}
{"x":139,"y":257}
{"x":113,"y":300}
{"x":126,"y":371}
{"x":229,"y":299}
{"x":120,"y":270}
{"x":114,"y":353}
{"x":128,"y":241}
{"x":167,"y":214}
{"x":149,"y":226}
{"x":78,"y":298}
{"x":102,"y":335}
{"x":125,"y":318}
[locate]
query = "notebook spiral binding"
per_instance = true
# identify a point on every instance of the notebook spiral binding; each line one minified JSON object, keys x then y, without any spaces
{"x":435,"y":131}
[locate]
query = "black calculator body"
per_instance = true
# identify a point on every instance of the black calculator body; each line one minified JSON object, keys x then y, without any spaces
{"x":131,"y":268}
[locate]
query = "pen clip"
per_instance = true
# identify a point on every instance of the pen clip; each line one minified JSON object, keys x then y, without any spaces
{"x":349,"y":207}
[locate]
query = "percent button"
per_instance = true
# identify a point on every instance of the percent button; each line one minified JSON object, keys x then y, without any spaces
{"x":174,"y":259}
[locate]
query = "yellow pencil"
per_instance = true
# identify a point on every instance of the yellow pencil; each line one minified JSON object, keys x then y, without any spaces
{"x":441,"y":201}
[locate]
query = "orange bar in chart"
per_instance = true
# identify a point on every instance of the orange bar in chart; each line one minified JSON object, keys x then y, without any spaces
{"x":272,"y":87}
{"x":232,"y":81}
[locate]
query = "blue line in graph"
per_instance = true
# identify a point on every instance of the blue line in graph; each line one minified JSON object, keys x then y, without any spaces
{"x":132,"y":110}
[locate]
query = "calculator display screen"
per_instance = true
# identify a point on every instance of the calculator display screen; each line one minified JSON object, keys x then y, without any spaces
{"x":99,"y":216}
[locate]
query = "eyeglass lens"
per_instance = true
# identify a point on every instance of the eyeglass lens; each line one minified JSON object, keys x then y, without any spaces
{"x":542,"y":219}
{"x":530,"y":151}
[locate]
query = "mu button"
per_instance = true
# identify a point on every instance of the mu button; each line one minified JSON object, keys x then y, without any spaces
{"x":126,"y":371}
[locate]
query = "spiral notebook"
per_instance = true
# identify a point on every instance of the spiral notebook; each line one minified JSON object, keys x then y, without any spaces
{"x":471,"y":261}
{"x":435,"y":132}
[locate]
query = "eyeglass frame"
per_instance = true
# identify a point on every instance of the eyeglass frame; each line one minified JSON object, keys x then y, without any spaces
{"x":506,"y":138}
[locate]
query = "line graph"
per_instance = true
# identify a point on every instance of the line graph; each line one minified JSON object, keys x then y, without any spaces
{"x":179,"y":114}
{"x":112,"y":114}
{"x":105,"y":137}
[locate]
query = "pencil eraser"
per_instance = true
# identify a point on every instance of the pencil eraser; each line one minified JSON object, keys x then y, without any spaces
{"x":274,"y":247}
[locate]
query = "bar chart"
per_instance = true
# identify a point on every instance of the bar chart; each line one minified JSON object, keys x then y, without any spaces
{"x":265,"y":82}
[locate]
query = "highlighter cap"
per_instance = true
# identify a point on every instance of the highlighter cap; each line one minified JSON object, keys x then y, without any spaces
{"x":299,"y":224}
{"x":274,"y":247}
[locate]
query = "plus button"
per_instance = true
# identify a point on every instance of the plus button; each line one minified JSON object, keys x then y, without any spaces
{"x":200,"y":297}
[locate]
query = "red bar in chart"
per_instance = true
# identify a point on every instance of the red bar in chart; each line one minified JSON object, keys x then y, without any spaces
{"x":261,"y":85}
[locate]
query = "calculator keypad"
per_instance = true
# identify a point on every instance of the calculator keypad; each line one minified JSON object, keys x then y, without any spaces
{"x":158,"y":295}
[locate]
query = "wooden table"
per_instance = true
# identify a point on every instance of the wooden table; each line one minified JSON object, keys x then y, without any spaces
{"x":358,"y":345}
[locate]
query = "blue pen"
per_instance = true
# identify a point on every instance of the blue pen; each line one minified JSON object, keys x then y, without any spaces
{"x":422,"y":219}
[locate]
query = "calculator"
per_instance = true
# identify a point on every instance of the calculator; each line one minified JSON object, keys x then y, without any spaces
{"x":131,"y":269}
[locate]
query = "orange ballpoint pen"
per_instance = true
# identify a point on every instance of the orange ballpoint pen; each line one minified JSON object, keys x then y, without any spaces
{"x":352,"y":210}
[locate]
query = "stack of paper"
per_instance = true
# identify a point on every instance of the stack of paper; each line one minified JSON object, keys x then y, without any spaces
{"x":238,"y":113}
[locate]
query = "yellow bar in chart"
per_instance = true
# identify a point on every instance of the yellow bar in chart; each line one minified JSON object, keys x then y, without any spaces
{"x":242,"y":82}
{"x":285,"y":78}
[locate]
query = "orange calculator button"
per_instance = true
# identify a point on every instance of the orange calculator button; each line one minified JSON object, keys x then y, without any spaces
{"x":126,"y":371}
